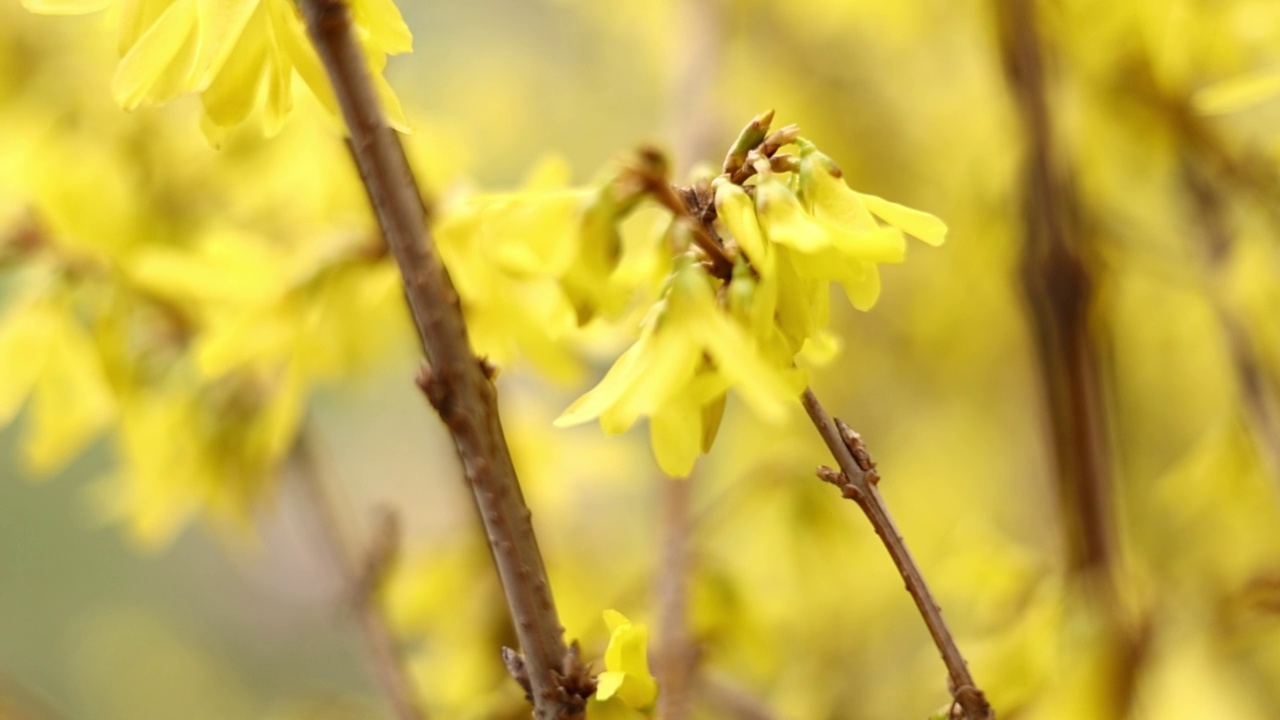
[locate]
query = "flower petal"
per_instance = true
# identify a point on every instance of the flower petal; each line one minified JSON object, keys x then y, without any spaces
{"x":913,"y":222}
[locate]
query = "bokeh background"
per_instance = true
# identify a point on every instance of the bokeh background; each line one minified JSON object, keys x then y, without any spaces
{"x":1164,"y":134}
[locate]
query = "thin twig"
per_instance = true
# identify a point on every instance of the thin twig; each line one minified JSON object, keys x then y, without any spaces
{"x":456,"y":383}
{"x":857,"y":480}
{"x":361,"y":577}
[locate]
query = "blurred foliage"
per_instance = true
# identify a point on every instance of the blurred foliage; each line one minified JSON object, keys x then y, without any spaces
{"x":172,"y":315}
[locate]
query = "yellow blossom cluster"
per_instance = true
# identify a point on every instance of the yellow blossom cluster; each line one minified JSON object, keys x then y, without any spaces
{"x":790,"y":234}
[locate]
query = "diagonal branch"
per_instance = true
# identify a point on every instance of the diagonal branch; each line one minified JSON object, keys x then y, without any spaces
{"x":456,"y":382}
{"x":857,"y":480}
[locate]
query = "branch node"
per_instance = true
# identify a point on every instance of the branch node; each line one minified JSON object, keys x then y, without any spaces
{"x":518,"y":671}
{"x":576,"y":683}
{"x":437,"y":389}
{"x":858,"y":449}
{"x":969,"y":703}
{"x":489,"y":369}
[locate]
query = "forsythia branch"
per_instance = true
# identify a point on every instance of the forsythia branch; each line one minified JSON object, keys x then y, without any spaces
{"x":456,"y":382}
{"x":857,"y":479}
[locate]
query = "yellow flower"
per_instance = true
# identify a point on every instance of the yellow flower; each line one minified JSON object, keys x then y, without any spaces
{"x":238,"y":54}
{"x":626,"y":663}
{"x":827,"y":232}
{"x":832,"y":201}
{"x":51,"y":358}
{"x":689,"y":353}
{"x":737,"y":213}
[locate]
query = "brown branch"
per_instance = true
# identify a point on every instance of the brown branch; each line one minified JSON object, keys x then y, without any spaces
{"x":857,"y":479}
{"x":361,"y":577}
{"x":455,"y":383}
{"x":1057,"y":273}
{"x":1059,"y":288}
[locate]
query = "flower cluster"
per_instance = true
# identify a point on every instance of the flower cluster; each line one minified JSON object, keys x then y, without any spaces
{"x":239,"y":55}
{"x":788,"y":227}
{"x":533,"y":265}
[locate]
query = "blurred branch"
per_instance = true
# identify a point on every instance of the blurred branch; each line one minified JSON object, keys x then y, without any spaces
{"x":1060,"y":290}
{"x":694,"y":120}
{"x":676,"y":656}
{"x":1208,"y":166}
{"x":1208,"y":206}
{"x":1057,"y":273}
{"x":857,"y":479}
{"x":731,"y":699}
{"x":457,"y":384}
{"x":361,"y":579}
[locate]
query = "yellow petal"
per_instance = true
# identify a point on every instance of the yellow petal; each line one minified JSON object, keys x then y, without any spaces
{"x":882,"y":245}
{"x":535,"y":233}
{"x":608,"y":683}
{"x":233,"y":92}
{"x":25,"y":337}
{"x":279,"y":90}
{"x":614,"y":620}
{"x":863,"y":288}
{"x":391,"y":107}
{"x":66,"y":7}
{"x":675,"y":434}
{"x":738,"y":213}
{"x":664,"y":371}
{"x":159,"y":66}
{"x":296,"y":49}
{"x":712,"y":414}
{"x":136,"y":16}
{"x":785,"y":221}
{"x":220,"y":24}
{"x":1237,"y":93}
{"x":913,"y":222}
{"x":760,"y":385}
{"x":600,"y":398}
{"x":386,"y":26}
{"x":827,"y":195}
{"x":71,"y":402}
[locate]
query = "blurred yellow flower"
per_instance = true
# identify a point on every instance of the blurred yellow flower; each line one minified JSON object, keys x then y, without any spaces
{"x":52,"y":359}
{"x":238,"y":54}
{"x":626,"y":661}
{"x":689,"y":353}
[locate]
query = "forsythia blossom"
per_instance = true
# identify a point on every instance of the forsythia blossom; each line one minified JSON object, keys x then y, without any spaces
{"x":626,"y":675}
{"x":237,"y":54}
{"x":531,"y":266}
{"x":789,"y":232}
